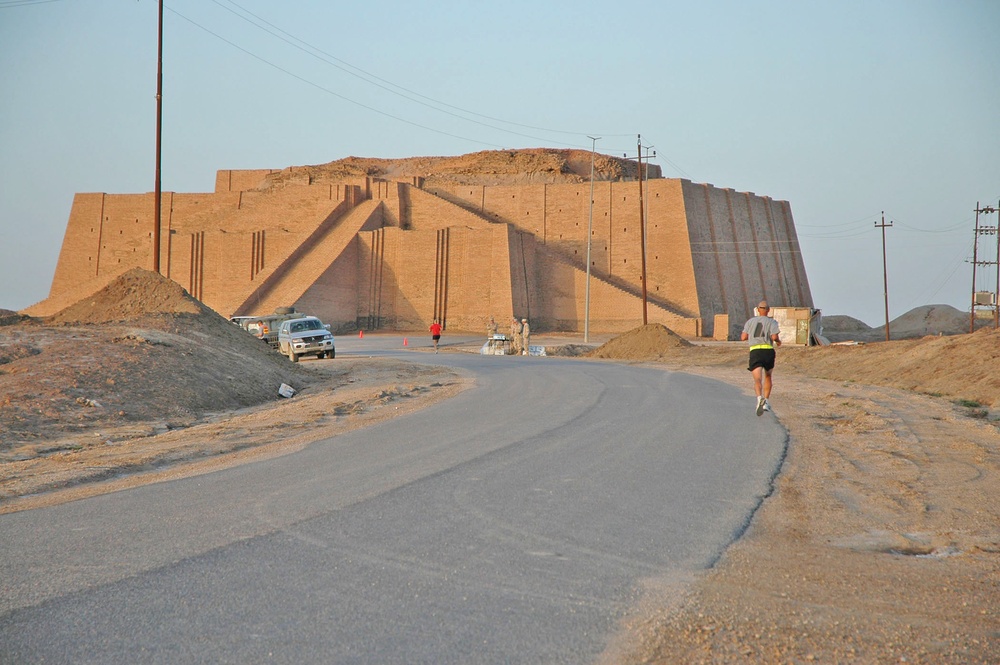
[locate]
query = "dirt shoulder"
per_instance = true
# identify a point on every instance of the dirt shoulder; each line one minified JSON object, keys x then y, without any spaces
{"x":880,"y":542}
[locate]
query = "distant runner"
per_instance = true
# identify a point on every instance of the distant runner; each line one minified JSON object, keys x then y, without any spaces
{"x":435,"y":334}
{"x":762,"y":333}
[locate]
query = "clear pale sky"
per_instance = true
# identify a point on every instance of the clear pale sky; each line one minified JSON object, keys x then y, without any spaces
{"x":844,"y":109}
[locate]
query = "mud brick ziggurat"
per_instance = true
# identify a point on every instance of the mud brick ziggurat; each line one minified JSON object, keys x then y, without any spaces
{"x":381,"y":248}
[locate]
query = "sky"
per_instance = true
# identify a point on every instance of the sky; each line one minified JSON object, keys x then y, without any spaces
{"x":845,"y":109}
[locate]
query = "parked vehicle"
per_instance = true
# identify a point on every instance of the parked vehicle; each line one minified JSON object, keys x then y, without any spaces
{"x":266,"y":327}
{"x":305,"y":336}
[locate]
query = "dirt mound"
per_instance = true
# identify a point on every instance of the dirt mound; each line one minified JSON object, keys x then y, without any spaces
{"x":928,"y":320}
{"x":918,"y":322}
{"x":958,"y":366}
{"x":135,"y":294}
{"x":490,"y":167}
{"x":642,"y":343}
{"x":139,"y":350}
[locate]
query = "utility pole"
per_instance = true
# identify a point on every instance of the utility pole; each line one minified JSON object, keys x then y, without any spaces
{"x":980,"y":299}
{"x":590,"y":239}
{"x":159,"y":118}
{"x":885,"y":273}
{"x":642,"y":230}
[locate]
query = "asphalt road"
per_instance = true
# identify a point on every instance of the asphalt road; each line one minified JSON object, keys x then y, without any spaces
{"x":524,"y":521}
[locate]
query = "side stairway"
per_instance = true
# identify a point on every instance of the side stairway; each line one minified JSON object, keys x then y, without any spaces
{"x":293,"y":277}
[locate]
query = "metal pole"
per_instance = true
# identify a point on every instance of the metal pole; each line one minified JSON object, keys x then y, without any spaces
{"x":885,"y":275}
{"x":590,"y":240}
{"x":159,"y":118}
{"x":642,"y":231}
{"x":975,"y":257}
{"x":996,"y":294}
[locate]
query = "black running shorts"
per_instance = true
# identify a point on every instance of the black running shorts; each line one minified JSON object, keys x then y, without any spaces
{"x":761,"y":358}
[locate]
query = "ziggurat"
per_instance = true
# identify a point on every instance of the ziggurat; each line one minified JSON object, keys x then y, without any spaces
{"x":394,"y":244}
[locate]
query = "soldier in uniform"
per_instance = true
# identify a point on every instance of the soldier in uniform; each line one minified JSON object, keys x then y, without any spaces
{"x":515,"y":336}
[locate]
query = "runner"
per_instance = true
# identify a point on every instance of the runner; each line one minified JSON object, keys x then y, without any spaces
{"x":435,"y":334}
{"x":762,"y":333}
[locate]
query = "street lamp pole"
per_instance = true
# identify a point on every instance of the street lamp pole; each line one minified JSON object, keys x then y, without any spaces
{"x":590,"y":240}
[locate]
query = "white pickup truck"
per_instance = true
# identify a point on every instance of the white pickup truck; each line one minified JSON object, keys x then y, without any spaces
{"x":305,"y":336}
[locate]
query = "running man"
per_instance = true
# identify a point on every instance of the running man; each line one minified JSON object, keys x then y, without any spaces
{"x":435,"y":334}
{"x":762,"y":333}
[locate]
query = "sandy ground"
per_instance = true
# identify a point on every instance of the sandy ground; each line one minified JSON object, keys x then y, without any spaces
{"x":880,"y":542}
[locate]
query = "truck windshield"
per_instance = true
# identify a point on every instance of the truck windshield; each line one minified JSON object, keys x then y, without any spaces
{"x":311,"y":324}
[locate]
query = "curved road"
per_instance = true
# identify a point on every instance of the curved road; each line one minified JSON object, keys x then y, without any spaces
{"x":520,"y":522}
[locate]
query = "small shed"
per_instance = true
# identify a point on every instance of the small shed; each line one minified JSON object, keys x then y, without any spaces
{"x":798,"y":326}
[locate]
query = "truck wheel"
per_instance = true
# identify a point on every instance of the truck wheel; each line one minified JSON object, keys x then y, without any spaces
{"x":332,"y":353}
{"x":291,"y":356}
{"x":320,"y":355}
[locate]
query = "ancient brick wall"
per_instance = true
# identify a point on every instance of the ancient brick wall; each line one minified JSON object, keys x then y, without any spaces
{"x":406,"y":279}
{"x":743,"y":251}
{"x":461,"y":253}
{"x":558,"y":215}
{"x":235,"y":180}
{"x":425,"y":211}
{"x":563,"y":303}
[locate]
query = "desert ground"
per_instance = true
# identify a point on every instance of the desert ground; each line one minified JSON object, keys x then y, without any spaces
{"x":880,"y":542}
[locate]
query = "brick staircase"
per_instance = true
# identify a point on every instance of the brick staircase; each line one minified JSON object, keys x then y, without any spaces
{"x":290,"y":279}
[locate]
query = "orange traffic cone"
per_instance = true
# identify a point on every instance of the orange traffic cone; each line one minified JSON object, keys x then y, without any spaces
{"x":404,"y":342}
{"x":361,"y":334}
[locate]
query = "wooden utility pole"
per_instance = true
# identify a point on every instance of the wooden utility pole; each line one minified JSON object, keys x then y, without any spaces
{"x":590,"y":240}
{"x":985,"y":230}
{"x":642,"y":231}
{"x":885,"y":273}
{"x":159,"y":118}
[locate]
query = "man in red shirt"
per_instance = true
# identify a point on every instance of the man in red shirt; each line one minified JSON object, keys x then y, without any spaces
{"x":435,"y":334}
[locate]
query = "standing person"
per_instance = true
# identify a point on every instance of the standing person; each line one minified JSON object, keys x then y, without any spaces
{"x":525,"y":337}
{"x":491,"y":328}
{"x":435,"y":334}
{"x":762,"y":333}
{"x":261,"y":330}
{"x":515,"y":336}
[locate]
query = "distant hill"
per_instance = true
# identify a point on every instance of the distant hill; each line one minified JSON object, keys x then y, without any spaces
{"x":918,"y":322}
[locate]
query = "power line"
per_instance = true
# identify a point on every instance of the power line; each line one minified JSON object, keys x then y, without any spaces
{"x":857,"y":222}
{"x":10,"y":4}
{"x":327,"y":90}
{"x":377,"y":81}
{"x":367,"y":77}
